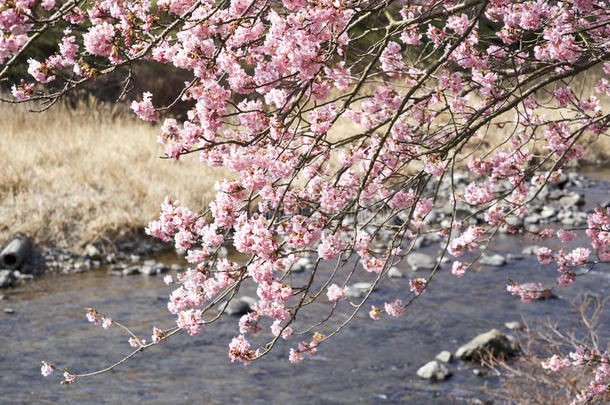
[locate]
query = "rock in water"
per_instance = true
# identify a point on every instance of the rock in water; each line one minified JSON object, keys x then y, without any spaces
{"x":395,"y":273}
{"x":240,"y":306}
{"x":513,"y":325}
{"x":130,"y":271}
{"x":531,"y":250}
{"x":304,"y":263}
{"x":6,"y":278}
{"x":357,"y":290}
{"x":148,"y":270}
{"x":493,"y":260}
{"x":445,"y":356}
{"x":433,"y":370}
{"x":420,"y":261}
{"x":494,"y":342}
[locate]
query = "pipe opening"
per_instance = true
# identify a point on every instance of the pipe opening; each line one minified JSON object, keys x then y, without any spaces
{"x":9,"y":259}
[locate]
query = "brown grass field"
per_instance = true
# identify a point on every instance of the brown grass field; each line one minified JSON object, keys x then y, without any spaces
{"x":73,"y":176}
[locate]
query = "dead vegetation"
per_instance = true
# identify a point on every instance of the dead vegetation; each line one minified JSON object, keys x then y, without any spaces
{"x":524,"y":381}
{"x":76,"y":175}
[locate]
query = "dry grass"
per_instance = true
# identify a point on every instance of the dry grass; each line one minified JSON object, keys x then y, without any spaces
{"x":73,"y":176}
{"x":524,"y":381}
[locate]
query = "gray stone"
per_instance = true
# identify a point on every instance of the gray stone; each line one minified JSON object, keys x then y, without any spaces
{"x":161,"y":268}
{"x":492,"y":260}
{"x":514,"y":325}
{"x":9,"y":311}
{"x":532,"y":219}
{"x":513,"y":256}
{"x":304,"y":263}
{"x":148,"y":270}
{"x":395,"y":273}
{"x":555,"y":195}
{"x":494,"y":342}
{"x":433,"y":370}
{"x":93,"y":252}
{"x":420,"y":261}
{"x":22,"y":276}
{"x":562,"y":181}
{"x":538,"y":295}
{"x":514,"y":221}
{"x":132,"y":270}
{"x":240,"y":306}
{"x":176,"y":267}
{"x":135,"y":258}
{"x":150,"y":262}
{"x":571,"y":200}
{"x":548,"y":212}
{"x":531,"y":250}
{"x":357,"y":290}
{"x":6,"y":278}
{"x":445,"y":356}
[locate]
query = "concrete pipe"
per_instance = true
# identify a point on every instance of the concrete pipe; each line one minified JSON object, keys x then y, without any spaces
{"x":14,"y":253}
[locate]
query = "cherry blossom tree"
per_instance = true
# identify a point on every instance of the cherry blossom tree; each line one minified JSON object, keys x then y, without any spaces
{"x":423,"y":86}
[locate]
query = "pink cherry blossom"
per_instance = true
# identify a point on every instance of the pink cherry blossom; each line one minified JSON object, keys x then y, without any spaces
{"x":394,"y":308}
{"x":375,"y":313}
{"x":458,"y":269}
{"x":335,"y":293}
{"x":556,"y":363}
{"x":46,"y":369}
{"x":144,"y":109}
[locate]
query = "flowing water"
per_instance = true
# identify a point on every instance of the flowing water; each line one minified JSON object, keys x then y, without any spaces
{"x":369,"y":362}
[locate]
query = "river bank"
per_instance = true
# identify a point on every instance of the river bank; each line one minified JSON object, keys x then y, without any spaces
{"x":369,"y":362}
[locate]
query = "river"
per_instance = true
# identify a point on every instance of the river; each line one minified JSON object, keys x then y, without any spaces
{"x":369,"y":362}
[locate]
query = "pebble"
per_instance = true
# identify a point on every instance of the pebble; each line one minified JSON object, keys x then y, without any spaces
{"x":539,"y":295}
{"x":492,"y":260}
{"x":6,"y":278}
{"x":357,"y":290}
{"x":304,"y":263}
{"x":531,"y":250}
{"x":240,"y":306}
{"x":445,"y":356}
{"x":93,"y":252}
{"x":395,"y":273}
{"x":130,"y":271}
{"x":433,"y":370}
{"x":548,"y":212}
{"x":493,"y":341}
{"x":148,"y":270}
{"x":9,"y":311}
{"x":420,"y":261}
{"x":513,"y":325}
{"x":571,"y":200}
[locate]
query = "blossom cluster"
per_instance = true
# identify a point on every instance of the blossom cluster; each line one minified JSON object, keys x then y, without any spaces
{"x":272,"y":88}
